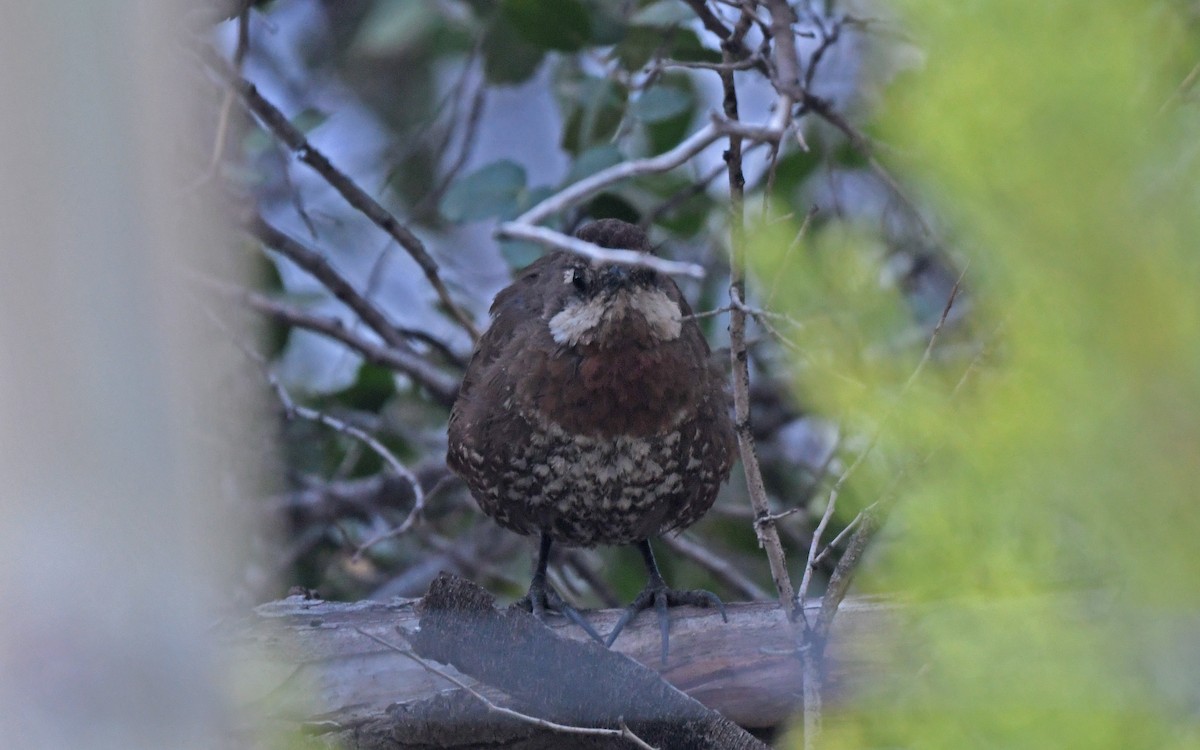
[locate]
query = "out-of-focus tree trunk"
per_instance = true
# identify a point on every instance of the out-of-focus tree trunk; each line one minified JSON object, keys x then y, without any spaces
{"x":110,"y":539}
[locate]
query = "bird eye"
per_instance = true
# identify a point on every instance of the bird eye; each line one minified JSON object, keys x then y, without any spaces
{"x":579,"y":279}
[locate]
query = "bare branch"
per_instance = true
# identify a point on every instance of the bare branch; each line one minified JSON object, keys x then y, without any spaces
{"x":810,"y":564}
{"x":442,"y":387}
{"x":787,"y":64}
{"x":709,"y":19}
{"x":559,"y":241}
{"x":295,"y":140}
{"x":744,"y":64}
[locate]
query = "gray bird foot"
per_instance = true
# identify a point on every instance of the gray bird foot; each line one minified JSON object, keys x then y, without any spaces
{"x":659,"y":596}
{"x":543,"y":599}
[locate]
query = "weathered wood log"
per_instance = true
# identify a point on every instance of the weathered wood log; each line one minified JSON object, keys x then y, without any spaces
{"x":576,"y":683}
{"x":312,"y":666}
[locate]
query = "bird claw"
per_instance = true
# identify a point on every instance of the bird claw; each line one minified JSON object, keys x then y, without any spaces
{"x":543,"y":599}
{"x":660,"y":597}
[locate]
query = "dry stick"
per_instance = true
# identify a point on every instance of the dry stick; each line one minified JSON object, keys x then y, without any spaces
{"x":709,"y":19}
{"x":768,"y":535}
{"x":291,"y":410}
{"x":474,"y":117}
{"x":316,"y":264}
{"x":239,"y":57}
{"x":813,"y":546}
{"x":720,"y":568}
{"x":841,"y":537}
{"x":624,"y":732}
{"x":744,"y":64}
{"x":787,"y":66}
{"x":320,"y":268}
{"x":295,"y":140}
{"x":559,"y":241}
{"x":409,"y":521}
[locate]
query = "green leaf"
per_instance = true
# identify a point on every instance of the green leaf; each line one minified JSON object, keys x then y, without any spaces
{"x":685,"y":45}
{"x":663,"y":13}
{"x":592,"y":161}
{"x":665,"y":135}
{"x":527,"y":199}
{"x":371,"y":390}
{"x":641,"y":43}
{"x":598,"y":109}
{"x":794,"y":167}
{"x":520,"y":253}
{"x":562,"y":25}
{"x":507,"y":56}
{"x":607,"y":20}
{"x":613,"y":206}
{"x":490,"y":191}
{"x":638,"y":46}
{"x":848,"y":155}
{"x":661,"y":103}
{"x":393,"y":26}
{"x":309,"y":119}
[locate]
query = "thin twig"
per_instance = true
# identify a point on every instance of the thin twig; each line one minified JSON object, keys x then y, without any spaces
{"x":559,"y":241}
{"x":577,"y":192}
{"x":624,"y":732}
{"x":868,"y":520}
{"x":292,"y":409}
{"x":813,"y":546}
{"x":316,"y":264}
{"x":709,"y":19}
{"x":743,"y":64}
{"x":768,"y":535}
{"x":408,"y":522}
{"x":223,"y":115}
{"x":720,"y":568}
{"x":442,"y":387}
{"x":841,"y":537}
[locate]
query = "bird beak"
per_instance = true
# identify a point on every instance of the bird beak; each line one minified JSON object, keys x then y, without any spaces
{"x":616,"y":275}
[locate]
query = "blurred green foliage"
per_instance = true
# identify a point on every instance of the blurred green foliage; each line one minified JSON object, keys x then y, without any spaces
{"x":1048,"y":541}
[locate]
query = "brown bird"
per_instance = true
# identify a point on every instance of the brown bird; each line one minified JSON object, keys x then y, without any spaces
{"x":590,"y":414}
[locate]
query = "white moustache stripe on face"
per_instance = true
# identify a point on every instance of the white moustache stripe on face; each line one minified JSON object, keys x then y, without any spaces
{"x":580,"y":321}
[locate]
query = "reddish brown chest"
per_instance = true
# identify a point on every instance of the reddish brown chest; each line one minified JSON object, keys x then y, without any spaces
{"x":632,"y":391}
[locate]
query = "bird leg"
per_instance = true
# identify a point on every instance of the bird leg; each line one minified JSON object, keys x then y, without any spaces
{"x":656,"y":594}
{"x":543,"y":598}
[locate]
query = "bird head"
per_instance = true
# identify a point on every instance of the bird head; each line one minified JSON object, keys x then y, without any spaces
{"x":611,"y":305}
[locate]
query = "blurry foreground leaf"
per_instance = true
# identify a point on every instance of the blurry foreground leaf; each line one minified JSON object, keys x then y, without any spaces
{"x":1046,"y":534}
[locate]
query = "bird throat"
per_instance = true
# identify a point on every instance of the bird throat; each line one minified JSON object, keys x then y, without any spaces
{"x":638,"y":317}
